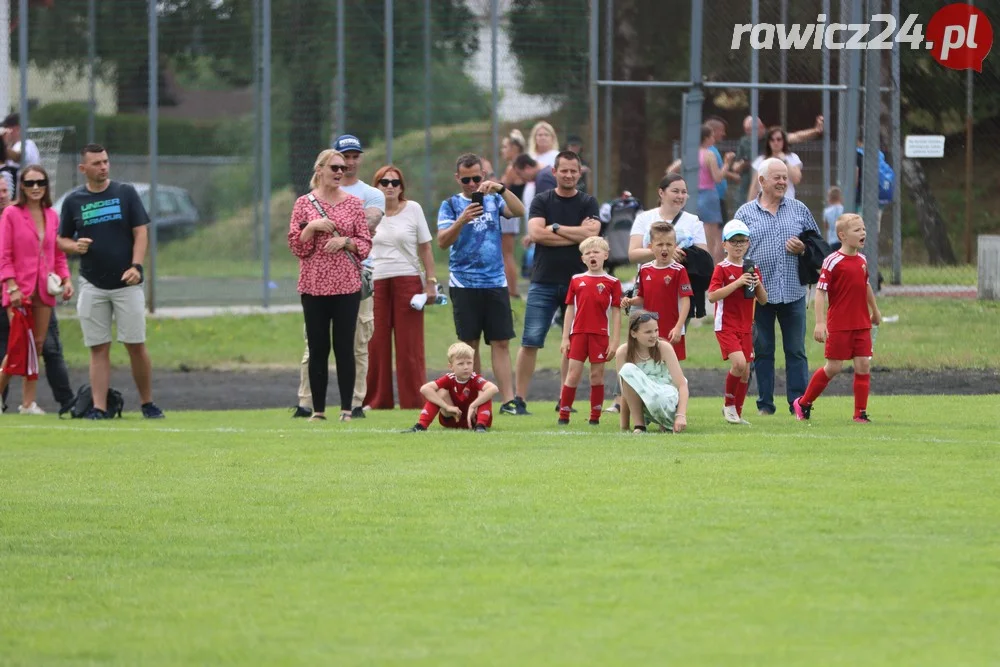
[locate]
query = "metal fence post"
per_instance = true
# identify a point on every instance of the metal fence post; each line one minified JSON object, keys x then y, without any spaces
{"x":897,"y":161}
{"x":754,"y":93}
{"x":595,"y":37}
{"x":91,"y":69}
{"x":22,"y":64}
{"x":265,"y":145}
{"x":873,"y":114}
{"x":848,"y":181}
{"x":340,"y":83}
{"x":969,"y":123}
{"x":783,"y":67}
{"x":691,"y":134}
{"x":154,"y":147}
{"x":826,"y":109}
{"x":609,"y":42}
{"x":428,"y":83}
{"x":494,"y":85}
{"x":389,"y":56}
{"x":5,"y":57}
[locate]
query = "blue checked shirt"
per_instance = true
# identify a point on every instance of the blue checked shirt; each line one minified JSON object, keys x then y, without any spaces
{"x":779,"y":268}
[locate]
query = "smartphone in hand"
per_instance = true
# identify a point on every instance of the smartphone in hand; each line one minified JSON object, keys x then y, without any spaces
{"x":477,"y":198}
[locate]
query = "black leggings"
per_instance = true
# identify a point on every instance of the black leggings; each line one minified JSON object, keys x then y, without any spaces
{"x":320,"y":312}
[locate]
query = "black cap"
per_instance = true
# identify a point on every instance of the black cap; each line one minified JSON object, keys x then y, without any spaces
{"x":12,"y":120}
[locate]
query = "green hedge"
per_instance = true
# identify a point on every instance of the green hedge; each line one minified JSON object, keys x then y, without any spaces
{"x":129,"y":133}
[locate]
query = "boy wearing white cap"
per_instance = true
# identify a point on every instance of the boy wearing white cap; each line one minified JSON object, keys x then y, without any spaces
{"x":735,"y":288}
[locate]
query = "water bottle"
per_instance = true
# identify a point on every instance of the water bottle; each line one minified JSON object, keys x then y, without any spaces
{"x":748,"y":291}
{"x":441,"y":300}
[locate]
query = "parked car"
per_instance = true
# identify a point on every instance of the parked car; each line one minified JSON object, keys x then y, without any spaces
{"x":176,"y":215}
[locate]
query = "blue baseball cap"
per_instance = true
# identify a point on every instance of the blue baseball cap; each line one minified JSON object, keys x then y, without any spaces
{"x":346,"y":143}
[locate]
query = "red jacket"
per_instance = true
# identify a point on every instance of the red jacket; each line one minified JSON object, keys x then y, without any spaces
{"x":22,"y":259}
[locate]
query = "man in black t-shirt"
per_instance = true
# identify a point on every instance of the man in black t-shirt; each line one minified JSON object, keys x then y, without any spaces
{"x":558,"y":221}
{"x":105,"y":222}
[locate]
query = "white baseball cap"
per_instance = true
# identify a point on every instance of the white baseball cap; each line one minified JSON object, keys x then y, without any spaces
{"x":735,"y":228}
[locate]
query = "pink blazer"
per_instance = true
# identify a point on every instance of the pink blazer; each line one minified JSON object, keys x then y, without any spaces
{"x":23,"y":260}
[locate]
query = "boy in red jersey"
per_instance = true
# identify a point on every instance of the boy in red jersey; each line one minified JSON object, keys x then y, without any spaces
{"x":590,"y":331}
{"x":663,"y":287}
{"x":463,"y":397}
{"x":846,"y":326}
{"x":734,"y":290}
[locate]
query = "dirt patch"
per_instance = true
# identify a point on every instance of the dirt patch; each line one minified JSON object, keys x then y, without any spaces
{"x":275,"y":388}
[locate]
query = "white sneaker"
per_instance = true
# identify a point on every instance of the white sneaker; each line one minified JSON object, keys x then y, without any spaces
{"x":729,"y":412}
{"x":32,"y":409}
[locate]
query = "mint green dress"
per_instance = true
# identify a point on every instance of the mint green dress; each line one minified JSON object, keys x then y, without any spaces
{"x":656,"y":388}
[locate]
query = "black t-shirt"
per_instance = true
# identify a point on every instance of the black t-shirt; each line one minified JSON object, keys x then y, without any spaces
{"x":558,"y":264}
{"x":107,"y":218}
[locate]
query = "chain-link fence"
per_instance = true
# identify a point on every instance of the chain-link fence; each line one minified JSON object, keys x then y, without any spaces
{"x":463,"y":75}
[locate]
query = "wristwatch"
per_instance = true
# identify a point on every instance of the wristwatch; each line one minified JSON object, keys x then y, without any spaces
{"x":137,"y":267}
{"x":432,"y":279}
{"x":555,"y":227}
{"x":503,"y":189}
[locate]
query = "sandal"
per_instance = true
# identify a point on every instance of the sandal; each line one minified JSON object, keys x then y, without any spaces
{"x":345,"y":416}
{"x":317,"y":418}
{"x":638,"y":428}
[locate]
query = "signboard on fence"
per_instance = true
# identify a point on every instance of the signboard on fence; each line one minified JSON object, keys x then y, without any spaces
{"x":924,"y":145}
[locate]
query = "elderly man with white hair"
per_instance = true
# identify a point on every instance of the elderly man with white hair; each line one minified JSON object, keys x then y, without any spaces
{"x":775,"y":222}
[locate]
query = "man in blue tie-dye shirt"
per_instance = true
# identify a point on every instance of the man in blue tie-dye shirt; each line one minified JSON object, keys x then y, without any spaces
{"x":477,"y":281}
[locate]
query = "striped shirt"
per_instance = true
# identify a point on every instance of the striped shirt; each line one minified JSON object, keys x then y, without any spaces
{"x":768,"y":234}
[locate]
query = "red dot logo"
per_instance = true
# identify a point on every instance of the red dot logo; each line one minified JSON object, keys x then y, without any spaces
{"x":960,"y":36}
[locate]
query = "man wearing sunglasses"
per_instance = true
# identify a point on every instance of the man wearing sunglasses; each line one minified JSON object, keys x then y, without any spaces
{"x":477,"y":281}
{"x":374,"y":202}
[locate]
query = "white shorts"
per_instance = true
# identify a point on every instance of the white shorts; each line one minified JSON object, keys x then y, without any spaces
{"x":510,"y":225}
{"x":96,"y":307}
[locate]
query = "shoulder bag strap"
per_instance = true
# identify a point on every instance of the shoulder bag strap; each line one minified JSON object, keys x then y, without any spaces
{"x":322,"y":212}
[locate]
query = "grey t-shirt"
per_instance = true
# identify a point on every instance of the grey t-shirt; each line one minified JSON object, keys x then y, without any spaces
{"x":369,"y":196}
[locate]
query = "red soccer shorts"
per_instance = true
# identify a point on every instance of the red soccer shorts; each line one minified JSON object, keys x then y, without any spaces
{"x":462,"y":421}
{"x":592,"y":347}
{"x":680,"y":348}
{"x":845,"y":345}
{"x":735,"y":341}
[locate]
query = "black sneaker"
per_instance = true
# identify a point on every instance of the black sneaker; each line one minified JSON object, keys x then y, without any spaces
{"x":480,"y":429}
{"x":301,"y":412}
{"x":150,"y":411}
{"x":863,"y":418}
{"x":572,"y":410}
{"x":522,"y":407}
{"x":509,"y":408}
{"x":95,"y":413}
{"x":564,"y":422}
{"x":594,"y":422}
{"x":358,"y":413}
{"x":416,"y":428}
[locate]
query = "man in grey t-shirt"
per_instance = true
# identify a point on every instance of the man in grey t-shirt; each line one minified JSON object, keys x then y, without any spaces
{"x":374,"y":203}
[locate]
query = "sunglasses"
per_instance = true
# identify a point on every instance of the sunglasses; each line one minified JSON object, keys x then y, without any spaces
{"x":470,"y":179}
{"x":386,"y":182}
{"x":30,"y":183}
{"x":338,"y":168}
{"x":642,"y":319}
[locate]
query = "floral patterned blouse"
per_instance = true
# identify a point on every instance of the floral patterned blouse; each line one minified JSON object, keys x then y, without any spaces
{"x":322,"y":273}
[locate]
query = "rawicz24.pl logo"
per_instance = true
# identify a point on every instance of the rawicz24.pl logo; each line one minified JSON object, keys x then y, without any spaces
{"x":959,"y":35}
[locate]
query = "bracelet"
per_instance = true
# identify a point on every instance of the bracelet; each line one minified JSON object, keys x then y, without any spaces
{"x":11,"y":290}
{"x":679,"y":414}
{"x":432,"y":279}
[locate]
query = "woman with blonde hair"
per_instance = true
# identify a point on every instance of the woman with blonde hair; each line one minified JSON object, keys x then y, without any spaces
{"x":329,"y":235}
{"x":543,"y":144}
{"x":401,"y":243}
{"x":29,"y":257}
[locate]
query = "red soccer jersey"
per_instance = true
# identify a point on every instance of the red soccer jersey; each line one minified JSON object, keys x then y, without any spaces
{"x":844,"y":278}
{"x":661,"y":290}
{"x":592,"y":296}
{"x":735,"y":312}
{"x":462,"y":393}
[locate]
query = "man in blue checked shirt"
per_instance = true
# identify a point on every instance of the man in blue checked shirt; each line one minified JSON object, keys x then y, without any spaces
{"x":775,"y":223}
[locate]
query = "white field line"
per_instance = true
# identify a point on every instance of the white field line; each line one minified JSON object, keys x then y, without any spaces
{"x":221,"y":430}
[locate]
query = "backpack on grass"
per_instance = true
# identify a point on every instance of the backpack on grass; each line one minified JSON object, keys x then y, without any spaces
{"x":84,"y":401}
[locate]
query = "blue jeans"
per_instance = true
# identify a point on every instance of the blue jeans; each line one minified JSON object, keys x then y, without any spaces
{"x":792,"y":320}
{"x":539,"y":309}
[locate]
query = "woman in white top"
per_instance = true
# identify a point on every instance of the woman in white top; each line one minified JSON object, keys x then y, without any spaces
{"x":401,"y":238}
{"x":673,"y":194}
{"x":543,"y":144}
{"x":777,"y":146}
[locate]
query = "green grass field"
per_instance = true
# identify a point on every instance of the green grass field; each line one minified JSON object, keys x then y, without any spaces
{"x":249,"y":538}
{"x":930,"y":333}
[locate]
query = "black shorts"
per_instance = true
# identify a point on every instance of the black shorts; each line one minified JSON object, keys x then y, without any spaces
{"x":482,"y":312}
{"x":722,"y":206}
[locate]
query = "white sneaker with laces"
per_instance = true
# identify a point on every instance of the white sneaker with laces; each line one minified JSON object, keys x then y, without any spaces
{"x":32,"y":409}
{"x":729,"y":412}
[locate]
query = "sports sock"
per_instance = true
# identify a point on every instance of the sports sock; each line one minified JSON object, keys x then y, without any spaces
{"x":732,"y":386}
{"x":596,"y":402}
{"x":862,"y":385}
{"x":741,"y":395}
{"x":566,"y":398}
{"x":484,"y":414}
{"x":816,"y":386}
{"x":428,"y":414}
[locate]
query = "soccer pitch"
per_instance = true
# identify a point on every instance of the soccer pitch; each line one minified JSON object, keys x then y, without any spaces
{"x":246,"y":538}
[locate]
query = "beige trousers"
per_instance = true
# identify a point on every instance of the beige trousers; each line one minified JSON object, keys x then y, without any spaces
{"x":362,"y":334}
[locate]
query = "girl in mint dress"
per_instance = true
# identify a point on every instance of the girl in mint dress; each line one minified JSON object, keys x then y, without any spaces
{"x":653,"y":387}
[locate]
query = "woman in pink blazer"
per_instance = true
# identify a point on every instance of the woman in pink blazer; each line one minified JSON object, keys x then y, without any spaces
{"x":28,"y":253}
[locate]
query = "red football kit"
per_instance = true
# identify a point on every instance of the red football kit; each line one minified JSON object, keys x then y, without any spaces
{"x":661,"y":290}
{"x":592,"y":298}
{"x":462,"y":395}
{"x":734,"y":314}
{"x":844,"y":278}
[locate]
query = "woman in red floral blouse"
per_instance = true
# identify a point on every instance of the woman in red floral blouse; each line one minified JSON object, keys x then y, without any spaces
{"x":329,"y":281}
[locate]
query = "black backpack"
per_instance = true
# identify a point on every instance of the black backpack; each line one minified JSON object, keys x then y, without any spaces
{"x":84,"y":401}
